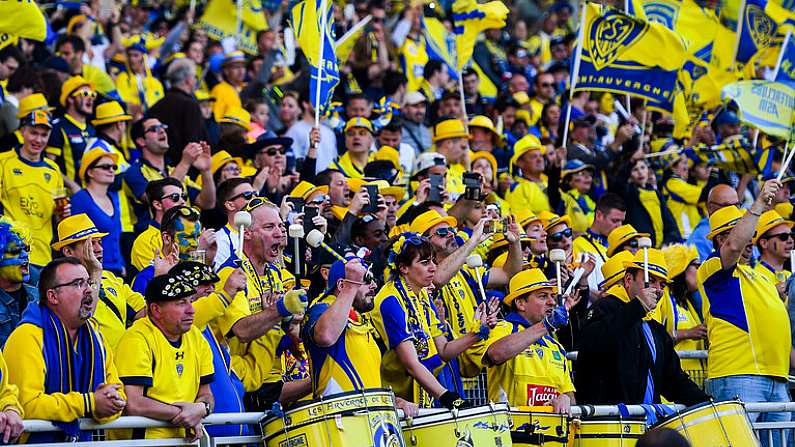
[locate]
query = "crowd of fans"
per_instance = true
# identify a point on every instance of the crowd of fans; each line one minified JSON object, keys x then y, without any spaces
{"x":131,"y":142}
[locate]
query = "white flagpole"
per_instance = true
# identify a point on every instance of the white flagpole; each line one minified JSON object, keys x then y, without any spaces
{"x":781,"y":54}
{"x":738,"y":32}
{"x":320,"y":67}
{"x":575,"y":72}
{"x":239,"y":24}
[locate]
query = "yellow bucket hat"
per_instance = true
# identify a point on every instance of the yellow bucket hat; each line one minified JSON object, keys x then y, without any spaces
{"x":488,"y":157}
{"x":679,"y":257}
{"x":769,"y":220}
{"x":526,"y":144}
{"x":239,"y":116}
{"x":92,"y":156}
{"x":452,"y":128}
{"x":613,"y":269}
{"x":525,"y":217}
{"x":621,"y":235}
{"x":109,"y":112}
{"x":525,"y":282}
{"x":429,"y":219}
{"x":71,"y":85}
{"x":484,"y":122}
{"x":75,"y":228}
{"x":550,"y":219}
{"x":33,"y":102}
{"x":222,"y":158}
{"x":723,"y":220}
{"x":657,"y":265}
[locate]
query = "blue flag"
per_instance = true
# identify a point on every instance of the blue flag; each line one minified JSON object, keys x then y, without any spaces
{"x":306,"y":21}
{"x":785,"y":71}
{"x":756,"y":29}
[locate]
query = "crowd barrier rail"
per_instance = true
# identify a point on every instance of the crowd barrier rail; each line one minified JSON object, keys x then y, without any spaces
{"x":769,"y":430}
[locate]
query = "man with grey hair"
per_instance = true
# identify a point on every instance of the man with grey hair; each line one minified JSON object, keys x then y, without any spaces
{"x":179,"y":109}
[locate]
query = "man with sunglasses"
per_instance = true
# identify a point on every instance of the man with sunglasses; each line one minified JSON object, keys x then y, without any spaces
{"x":544,"y":88}
{"x":71,"y":131}
{"x":165,"y":194}
{"x":774,"y":240}
{"x":458,"y":283}
{"x":150,"y":137}
{"x":609,"y":215}
{"x":233,"y":195}
{"x":271,"y":154}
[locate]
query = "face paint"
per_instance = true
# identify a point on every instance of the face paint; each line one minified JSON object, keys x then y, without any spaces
{"x":187,"y":237}
{"x":16,"y":257}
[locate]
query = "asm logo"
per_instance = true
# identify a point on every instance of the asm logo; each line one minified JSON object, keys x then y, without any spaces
{"x":17,"y":171}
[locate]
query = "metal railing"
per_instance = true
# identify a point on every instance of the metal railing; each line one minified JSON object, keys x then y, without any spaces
{"x":763,"y":430}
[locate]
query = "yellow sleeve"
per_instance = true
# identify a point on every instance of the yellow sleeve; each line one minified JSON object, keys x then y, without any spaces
{"x":685,"y":191}
{"x":143,"y":250}
{"x":208,"y":308}
{"x":237,"y":309}
{"x":502,"y":330}
{"x":9,"y":393}
{"x":566,"y":385}
{"x":708,"y":268}
{"x":125,"y":89}
{"x":225,"y":98}
{"x":26,"y":370}
{"x":258,"y":361}
{"x":133,"y":299}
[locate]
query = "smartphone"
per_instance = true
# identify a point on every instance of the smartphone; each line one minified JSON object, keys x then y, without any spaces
{"x":435,"y":192}
{"x":372,"y":193}
{"x":472,"y":186}
{"x":309,"y":213}
{"x":298,"y":208}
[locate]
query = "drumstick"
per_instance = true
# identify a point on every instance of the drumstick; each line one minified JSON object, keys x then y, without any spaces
{"x":476,"y":262}
{"x":578,"y":272}
{"x":242,"y":221}
{"x":645,"y":244}
{"x":315,"y":240}
{"x":296,"y":232}
{"x":557,"y":256}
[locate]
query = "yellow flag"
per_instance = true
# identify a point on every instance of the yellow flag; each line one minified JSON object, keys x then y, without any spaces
{"x":22,"y":18}
{"x":783,"y":16}
{"x":344,"y":45}
{"x":413,"y":58}
{"x":219,"y":21}
{"x":470,"y":20}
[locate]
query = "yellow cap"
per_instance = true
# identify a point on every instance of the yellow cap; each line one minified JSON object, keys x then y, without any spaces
{"x":525,"y":282}
{"x":237,"y":115}
{"x":36,"y":118}
{"x":71,"y":85}
{"x":34,"y":101}
{"x":234,"y":57}
{"x":550,"y":219}
{"x":679,"y":257}
{"x":359,"y":122}
{"x":486,"y":155}
{"x":75,"y":228}
{"x":723,"y":220}
{"x":109,"y":112}
{"x":769,"y":220}
{"x":657,"y":265}
{"x":499,"y":241}
{"x":429,"y":219}
{"x":613,"y":269}
{"x":397,"y":230}
{"x":94,"y":155}
{"x":452,"y":128}
{"x":620,"y":235}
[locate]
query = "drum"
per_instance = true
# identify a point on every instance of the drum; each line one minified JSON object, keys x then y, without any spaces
{"x":539,"y":426}
{"x":358,"y":418}
{"x":713,"y":424}
{"x":485,"y":426}
{"x":607,"y":433}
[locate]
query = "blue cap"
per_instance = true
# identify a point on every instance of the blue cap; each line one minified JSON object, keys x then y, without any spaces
{"x":727,"y":117}
{"x":337,"y":272}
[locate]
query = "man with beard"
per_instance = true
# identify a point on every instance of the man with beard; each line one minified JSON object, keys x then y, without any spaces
{"x":358,"y":140}
{"x":15,"y":294}
{"x":458,"y":283}
{"x":59,"y":361}
{"x":252,"y":319}
{"x":71,"y":131}
{"x":338,"y":332}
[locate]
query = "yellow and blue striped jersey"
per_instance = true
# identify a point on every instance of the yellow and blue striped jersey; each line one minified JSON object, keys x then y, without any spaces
{"x":68,"y":143}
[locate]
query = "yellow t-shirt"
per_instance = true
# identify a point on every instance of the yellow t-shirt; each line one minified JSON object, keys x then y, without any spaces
{"x":535,"y":376}
{"x":683,"y":203}
{"x":27,"y":192}
{"x":127,"y":87}
{"x":115,"y":308}
{"x":773,"y":275}
{"x":747,"y":323}
{"x":169,"y":372}
{"x":144,"y":246}
{"x":676,"y":317}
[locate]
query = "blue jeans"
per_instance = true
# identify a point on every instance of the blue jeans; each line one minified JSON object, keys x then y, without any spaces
{"x":753,"y":389}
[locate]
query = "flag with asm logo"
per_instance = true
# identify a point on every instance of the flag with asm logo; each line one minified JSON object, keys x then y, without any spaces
{"x":307,"y":23}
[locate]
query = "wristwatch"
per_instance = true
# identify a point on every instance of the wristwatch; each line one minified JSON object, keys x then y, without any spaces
{"x":207,"y":409}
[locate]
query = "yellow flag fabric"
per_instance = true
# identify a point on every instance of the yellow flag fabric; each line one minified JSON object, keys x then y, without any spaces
{"x":413,"y":58}
{"x":219,"y":21}
{"x":785,"y":18}
{"x":344,"y":45}
{"x":765,"y":105}
{"x":22,"y":18}
{"x":470,"y":20}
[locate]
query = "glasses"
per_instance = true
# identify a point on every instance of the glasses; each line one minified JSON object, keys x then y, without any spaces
{"x":557,"y":237}
{"x":231,"y":168}
{"x":85,"y":93}
{"x":107,"y":167}
{"x":156,"y":128}
{"x":79,"y":283}
{"x":547,"y":84}
{"x":272,"y":151}
{"x":444,"y":232}
{"x":783,"y":237}
{"x":257,"y":202}
{"x":632,"y":244}
{"x":174,"y":197}
{"x":248,"y":195}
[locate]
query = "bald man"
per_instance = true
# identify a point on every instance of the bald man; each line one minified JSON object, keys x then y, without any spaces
{"x":719,"y":196}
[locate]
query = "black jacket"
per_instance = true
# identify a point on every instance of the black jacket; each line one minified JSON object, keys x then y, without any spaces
{"x":614,"y":359}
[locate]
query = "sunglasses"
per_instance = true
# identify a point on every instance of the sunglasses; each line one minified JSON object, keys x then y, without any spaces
{"x":85,"y":93}
{"x":783,"y":237}
{"x":444,"y":232}
{"x":107,"y":167}
{"x":155,"y":128}
{"x":557,"y":237}
{"x":248,"y":195}
{"x":632,"y":244}
{"x":257,"y":202}
{"x":547,"y":84}
{"x":272,"y":151}
{"x":174,"y":197}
